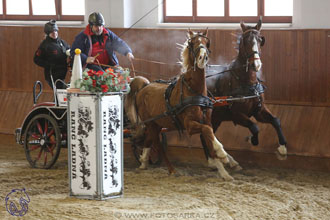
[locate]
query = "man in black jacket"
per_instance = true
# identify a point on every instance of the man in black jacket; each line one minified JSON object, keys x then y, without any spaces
{"x":52,"y":55}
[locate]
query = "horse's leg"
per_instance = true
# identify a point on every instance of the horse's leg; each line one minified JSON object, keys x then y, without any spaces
{"x":265,"y":116}
{"x":153,"y":131}
{"x":215,"y":124}
{"x":245,"y":121}
{"x":144,"y":157}
{"x":232,"y":163}
{"x":216,"y":150}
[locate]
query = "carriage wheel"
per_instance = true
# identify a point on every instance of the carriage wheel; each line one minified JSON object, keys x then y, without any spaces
{"x":154,"y":158}
{"x":42,"y":141}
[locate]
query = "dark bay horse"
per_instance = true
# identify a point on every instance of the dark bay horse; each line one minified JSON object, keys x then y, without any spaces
{"x":185,"y":104}
{"x":239,"y":79}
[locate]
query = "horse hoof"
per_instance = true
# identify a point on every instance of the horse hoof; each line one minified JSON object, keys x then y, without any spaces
{"x":254,"y":141}
{"x":143,"y":167}
{"x":228,"y":178}
{"x":281,"y":156}
{"x":171,"y":171}
{"x":237,"y":168}
{"x":281,"y":152}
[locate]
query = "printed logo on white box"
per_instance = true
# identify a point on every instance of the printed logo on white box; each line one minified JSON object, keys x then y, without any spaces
{"x":62,"y":97}
{"x":111,"y":144}
{"x":83,"y":145}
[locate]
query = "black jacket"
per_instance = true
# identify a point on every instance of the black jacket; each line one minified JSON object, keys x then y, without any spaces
{"x":51,"y":55}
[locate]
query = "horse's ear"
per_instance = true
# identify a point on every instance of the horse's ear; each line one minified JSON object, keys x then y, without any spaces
{"x":243,"y":26}
{"x":206,"y":32}
{"x":258,"y":26}
{"x":190,"y":33}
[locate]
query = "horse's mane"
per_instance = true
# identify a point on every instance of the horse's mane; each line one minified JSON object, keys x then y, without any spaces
{"x":184,"y":55}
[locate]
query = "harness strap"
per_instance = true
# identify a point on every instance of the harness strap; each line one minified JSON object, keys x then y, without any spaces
{"x":188,"y":87}
{"x":198,"y":100}
{"x":255,"y":89}
{"x":167,"y":95}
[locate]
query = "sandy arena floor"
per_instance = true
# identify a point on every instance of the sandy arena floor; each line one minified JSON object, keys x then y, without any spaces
{"x":195,"y":192}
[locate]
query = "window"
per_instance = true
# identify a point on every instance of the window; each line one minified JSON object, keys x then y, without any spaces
{"x":1,"y":11}
{"x":228,"y":11}
{"x":61,"y":10}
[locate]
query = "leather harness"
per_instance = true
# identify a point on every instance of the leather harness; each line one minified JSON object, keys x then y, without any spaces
{"x":197,"y":100}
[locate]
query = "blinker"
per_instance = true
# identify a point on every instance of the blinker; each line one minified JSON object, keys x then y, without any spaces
{"x":263,"y":40}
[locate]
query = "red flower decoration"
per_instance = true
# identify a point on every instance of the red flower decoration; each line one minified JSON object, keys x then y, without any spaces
{"x":110,"y":71}
{"x":99,"y":73}
{"x":91,"y":73}
{"x":105,"y":88}
{"x":110,"y":80}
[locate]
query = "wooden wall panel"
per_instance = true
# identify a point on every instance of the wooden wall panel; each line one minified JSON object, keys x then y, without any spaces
{"x":14,"y":108}
{"x":295,"y":63}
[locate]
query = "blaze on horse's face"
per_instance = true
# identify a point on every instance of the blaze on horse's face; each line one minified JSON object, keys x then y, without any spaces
{"x":250,"y":45}
{"x":199,"y":43}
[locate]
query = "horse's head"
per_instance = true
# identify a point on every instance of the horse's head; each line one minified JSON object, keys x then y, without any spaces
{"x":250,"y":43}
{"x":196,"y":49}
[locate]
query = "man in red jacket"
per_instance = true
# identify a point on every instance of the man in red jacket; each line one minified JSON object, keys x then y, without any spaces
{"x":98,"y":44}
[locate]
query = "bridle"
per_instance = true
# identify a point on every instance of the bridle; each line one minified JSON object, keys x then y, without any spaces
{"x":194,"y":52}
{"x":250,"y":56}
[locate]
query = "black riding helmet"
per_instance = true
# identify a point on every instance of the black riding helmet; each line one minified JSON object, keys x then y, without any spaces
{"x":96,"y":18}
{"x":50,"y":27}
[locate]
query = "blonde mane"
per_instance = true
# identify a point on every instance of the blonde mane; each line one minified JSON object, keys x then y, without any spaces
{"x":185,"y":62}
{"x":185,"y":56}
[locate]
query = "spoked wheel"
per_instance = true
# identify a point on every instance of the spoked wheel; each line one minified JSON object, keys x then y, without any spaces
{"x":42,"y":141}
{"x":154,"y":158}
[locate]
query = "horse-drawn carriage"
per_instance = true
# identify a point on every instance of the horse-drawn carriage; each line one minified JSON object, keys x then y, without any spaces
{"x":186,"y":102}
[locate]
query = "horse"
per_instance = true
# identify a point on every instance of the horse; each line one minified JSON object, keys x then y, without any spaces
{"x":240,"y":79}
{"x":185,"y":106}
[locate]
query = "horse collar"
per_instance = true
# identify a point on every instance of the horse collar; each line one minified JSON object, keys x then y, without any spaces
{"x":186,"y":84}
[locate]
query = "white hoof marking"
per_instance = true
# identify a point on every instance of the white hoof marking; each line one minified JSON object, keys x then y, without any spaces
{"x":220,"y":152}
{"x":282,"y":150}
{"x":144,"y":158}
{"x":223,"y":173}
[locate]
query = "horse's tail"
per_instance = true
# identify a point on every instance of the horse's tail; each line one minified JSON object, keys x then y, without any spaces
{"x":136,"y":85}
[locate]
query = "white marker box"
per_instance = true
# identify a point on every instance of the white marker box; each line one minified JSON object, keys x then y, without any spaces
{"x":95,"y":145}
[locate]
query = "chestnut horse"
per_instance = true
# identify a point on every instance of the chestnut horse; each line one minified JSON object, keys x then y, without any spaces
{"x":186,"y":106}
{"x":240,"y":80}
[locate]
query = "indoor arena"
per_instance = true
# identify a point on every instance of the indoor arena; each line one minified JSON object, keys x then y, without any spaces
{"x":165,"y":109}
